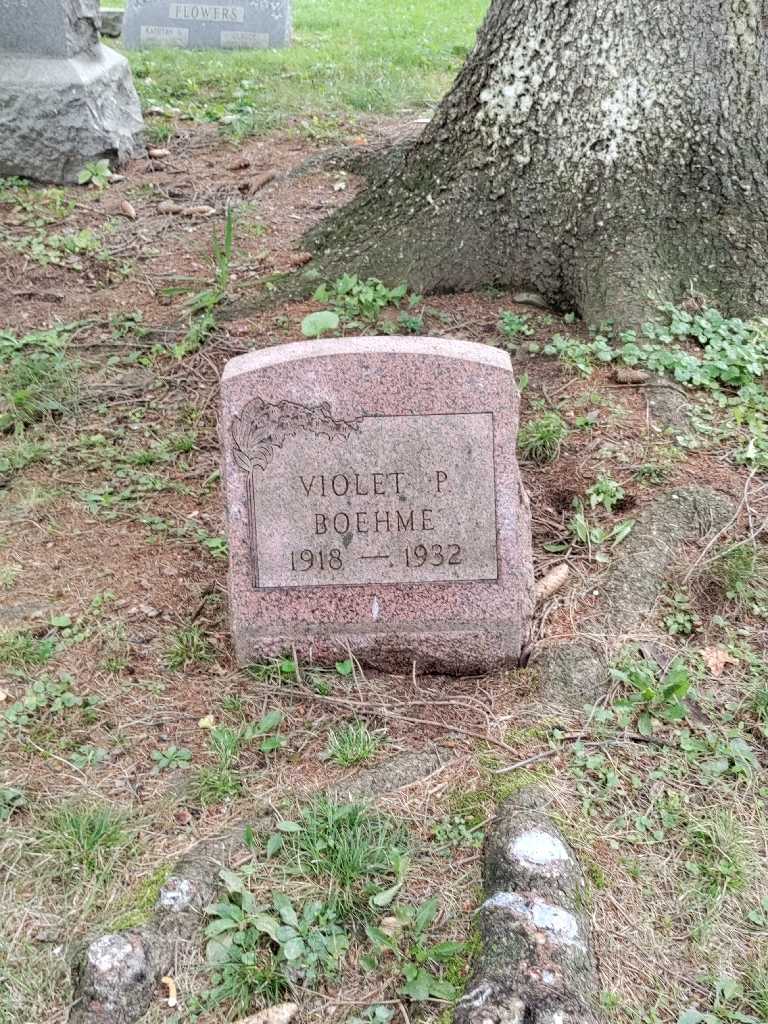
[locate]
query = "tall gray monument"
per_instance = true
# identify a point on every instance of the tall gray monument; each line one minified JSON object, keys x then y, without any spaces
{"x":65,"y":100}
{"x":241,"y":25}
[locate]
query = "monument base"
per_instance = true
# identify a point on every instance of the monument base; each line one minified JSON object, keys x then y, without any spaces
{"x":57,"y":115}
{"x":434,"y":648}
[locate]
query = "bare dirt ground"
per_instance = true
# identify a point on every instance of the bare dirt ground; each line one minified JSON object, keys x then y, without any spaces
{"x":114,"y":576}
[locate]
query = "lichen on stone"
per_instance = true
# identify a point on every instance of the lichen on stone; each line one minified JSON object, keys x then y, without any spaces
{"x":536,"y":849}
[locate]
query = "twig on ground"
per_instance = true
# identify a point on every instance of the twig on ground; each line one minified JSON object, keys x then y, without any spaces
{"x":633,"y":737}
{"x":386,"y":713}
{"x":720,"y":533}
{"x":528,"y":760}
{"x":648,"y":384}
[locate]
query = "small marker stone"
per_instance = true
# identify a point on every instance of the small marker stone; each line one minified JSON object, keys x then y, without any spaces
{"x":243,"y":25}
{"x":374,"y":504}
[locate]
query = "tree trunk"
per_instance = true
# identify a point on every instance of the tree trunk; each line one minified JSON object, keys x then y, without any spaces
{"x":605,"y":154}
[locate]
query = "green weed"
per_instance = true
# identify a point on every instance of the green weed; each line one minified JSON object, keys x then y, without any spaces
{"x":583,"y":532}
{"x":734,"y":1001}
{"x":314,"y":325}
{"x":651,"y":473}
{"x":47,"y":695}
{"x":217,"y":547}
{"x":66,"y":249}
{"x":575,"y":354}
{"x":22,"y":649}
{"x":88,"y":756}
{"x":541,"y":439}
{"x":348,"y":844}
{"x":515,"y":325}
{"x":170,"y":758}
{"x":352,"y":743}
{"x":11,"y":800}
{"x":36,"y":206}
{"x":681,"y":619}
{"x":655,"y":697}
{"x":420,"y":962}
{"x":83,"y":839}
{"x":406,"y":323}
{"x":187,"y":646}
{"x":128,"y":325}
{"x":725,"y":358}
{"x":457,"y":830}
{"x":96,"y":173}
{"x":259,"y":952}
{"x":606,"y":492}
{"x":358,"y":302}
{"x":376,"y":1014}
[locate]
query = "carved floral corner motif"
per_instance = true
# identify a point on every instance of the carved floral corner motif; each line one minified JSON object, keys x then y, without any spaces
{"x":263,"y":427}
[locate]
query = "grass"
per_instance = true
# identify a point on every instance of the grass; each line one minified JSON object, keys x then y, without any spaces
{"x":82,"y":839}
{"x":352,"y":743}
{"x":347,"y":58}
{"x":687,"y":832}
{"x":719,"y":855}
{"x":18,"y":451}
{"x":21,"y":649}
{"x":219,"y":782}
{"x":349,"y":845}
{"x":739,"y":573}
{"x":32,"y":978}
{"x":37,"y":379}
{"x":187,"y":646}
{"x":215,"y":784}
{"x":65,"y":865}
{"x":541,"y":439}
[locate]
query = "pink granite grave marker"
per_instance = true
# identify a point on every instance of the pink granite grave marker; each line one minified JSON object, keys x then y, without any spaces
{"x":374,"y":504}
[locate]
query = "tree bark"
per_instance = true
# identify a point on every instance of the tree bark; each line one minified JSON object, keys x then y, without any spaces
{"x":605,"y":154}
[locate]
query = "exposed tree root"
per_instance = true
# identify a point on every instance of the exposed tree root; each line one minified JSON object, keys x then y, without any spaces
{"x":116,"y":977}
{"x":534,"y":966}
{"x":577,"y":671}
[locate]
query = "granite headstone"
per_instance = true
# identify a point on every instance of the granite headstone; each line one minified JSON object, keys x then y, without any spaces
{"x":65,"y":100}
{"x":374,"y":504}
{"x":244,"y":24}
